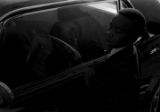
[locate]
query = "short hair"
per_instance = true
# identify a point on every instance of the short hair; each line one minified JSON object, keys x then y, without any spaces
{"x":136,"y":17}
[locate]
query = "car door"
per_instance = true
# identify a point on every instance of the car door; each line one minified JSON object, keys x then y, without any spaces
{"x":34,"y":22}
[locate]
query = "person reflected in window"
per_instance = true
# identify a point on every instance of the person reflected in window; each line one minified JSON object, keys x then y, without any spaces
{"x":81,"y":30}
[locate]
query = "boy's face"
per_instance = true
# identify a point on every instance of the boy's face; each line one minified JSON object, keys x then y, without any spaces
{"x":120,"y":29}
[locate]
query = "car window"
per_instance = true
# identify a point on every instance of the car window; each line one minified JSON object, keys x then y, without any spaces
{"x":105,"y":6}
{"x":25,"y":29}
{"x":43,"y":43}
{"x":9,"y":5}
{"x":43,"y":20}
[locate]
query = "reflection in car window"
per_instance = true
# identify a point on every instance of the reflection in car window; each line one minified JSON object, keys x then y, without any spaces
{"x":106,"y":6}
{"x":32,"y":29}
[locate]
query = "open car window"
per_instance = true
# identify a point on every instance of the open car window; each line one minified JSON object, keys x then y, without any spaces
{"x":32,"y":30}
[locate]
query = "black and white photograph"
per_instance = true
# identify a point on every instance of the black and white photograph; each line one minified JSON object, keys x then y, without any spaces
{"x":79,"y":55}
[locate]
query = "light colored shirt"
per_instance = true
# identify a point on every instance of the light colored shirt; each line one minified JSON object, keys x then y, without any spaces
{"x":115,"y":50}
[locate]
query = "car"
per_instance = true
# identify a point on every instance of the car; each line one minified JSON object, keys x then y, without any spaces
{"x":27,"y":40}
{"x":25,"y":25}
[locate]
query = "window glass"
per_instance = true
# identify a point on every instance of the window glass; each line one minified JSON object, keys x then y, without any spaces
{"x":109,"y":6}
{"x":85,"y":21}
